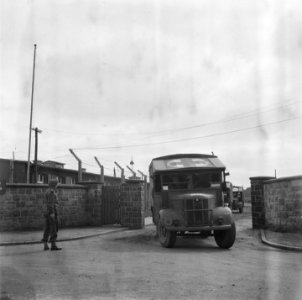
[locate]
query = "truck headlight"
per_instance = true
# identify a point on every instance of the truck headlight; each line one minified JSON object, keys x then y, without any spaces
{"x":168,"y":221}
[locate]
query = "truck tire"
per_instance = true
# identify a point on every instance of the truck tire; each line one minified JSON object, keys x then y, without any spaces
{"x":166,"y":238}
{"x":225,"y":238}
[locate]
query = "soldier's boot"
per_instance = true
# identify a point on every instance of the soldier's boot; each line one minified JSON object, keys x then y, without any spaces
{"x":46,"y":246}
{"x":54,"y":247}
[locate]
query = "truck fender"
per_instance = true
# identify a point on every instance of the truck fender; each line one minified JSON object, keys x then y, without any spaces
{"x":168,"y":217}
{"x":222,"y":214}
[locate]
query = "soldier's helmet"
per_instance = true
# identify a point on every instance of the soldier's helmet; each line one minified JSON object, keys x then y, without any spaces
{"x":53,"y":184}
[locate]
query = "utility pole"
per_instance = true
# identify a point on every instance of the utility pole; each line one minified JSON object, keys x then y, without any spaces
{"x":79,"y":165}
{"x":36,"y":130}
{"x":31,"y":113}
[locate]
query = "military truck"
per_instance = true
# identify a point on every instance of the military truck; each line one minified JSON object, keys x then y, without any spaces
{"x":238,"y":198}
{"x":228,"y":194}
{"x":187,"y":199}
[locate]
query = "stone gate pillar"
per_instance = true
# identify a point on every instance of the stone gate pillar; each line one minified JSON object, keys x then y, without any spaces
{"x":257,"y":199}
{"x":132,"y":204}
{"x":94,"y":202}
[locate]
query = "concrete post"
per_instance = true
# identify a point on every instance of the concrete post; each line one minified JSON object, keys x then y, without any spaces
{"x":132,"y":204}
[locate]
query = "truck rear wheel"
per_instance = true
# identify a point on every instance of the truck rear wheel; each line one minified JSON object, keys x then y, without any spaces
{"x":225,"y":238}
{"x":166,"y":238}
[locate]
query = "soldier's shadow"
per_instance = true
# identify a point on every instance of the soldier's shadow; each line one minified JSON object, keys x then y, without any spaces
{"x":22,"y":252}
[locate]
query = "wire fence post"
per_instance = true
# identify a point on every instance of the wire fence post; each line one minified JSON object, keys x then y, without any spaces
{"x":79,"y":165}
{"x":102,"y":170}
{"x":122,"y":171}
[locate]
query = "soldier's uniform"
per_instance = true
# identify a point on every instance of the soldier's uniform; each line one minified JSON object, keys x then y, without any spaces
{"x":51,"y":217}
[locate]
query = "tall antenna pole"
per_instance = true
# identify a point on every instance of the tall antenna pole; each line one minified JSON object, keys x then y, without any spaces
{"x":31,"y":113}
{"x":36,"y":130}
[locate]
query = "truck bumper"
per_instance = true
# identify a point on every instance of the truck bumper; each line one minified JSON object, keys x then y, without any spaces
{"x":201,"y":228}
{"x":219,"y":218}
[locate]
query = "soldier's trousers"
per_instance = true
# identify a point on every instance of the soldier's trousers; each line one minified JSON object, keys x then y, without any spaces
{"x":50,"y":229}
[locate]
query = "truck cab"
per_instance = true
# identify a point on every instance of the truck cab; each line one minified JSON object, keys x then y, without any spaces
{"x":188,"y":199}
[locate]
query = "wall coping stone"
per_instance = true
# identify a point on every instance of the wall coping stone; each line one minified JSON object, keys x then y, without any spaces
{"x":262,"y":178}
{"x":41,"y":185}
{"x":90,"y":182}
{"x":131,"y":181}
{"x":282,"y":179}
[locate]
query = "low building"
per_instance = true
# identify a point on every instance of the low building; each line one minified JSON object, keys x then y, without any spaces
{"x":15,"y":171}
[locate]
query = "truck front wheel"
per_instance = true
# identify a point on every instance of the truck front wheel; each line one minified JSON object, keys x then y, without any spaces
{"x":225,"y":238}
{"x":166,"y":238}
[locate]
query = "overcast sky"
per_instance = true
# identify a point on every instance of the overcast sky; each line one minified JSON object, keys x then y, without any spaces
{"x":140,"y":79}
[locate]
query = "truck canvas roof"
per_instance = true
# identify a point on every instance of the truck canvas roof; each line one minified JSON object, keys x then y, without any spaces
{"x":185,"y":161}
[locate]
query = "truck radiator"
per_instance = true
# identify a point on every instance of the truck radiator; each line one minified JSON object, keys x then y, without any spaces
{"x":197,"y":212}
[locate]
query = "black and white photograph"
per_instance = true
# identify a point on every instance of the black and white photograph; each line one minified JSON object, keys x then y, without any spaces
{"x":150,"y":149}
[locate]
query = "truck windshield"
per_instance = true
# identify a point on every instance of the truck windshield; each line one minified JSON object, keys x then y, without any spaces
{"x":194,"y":180}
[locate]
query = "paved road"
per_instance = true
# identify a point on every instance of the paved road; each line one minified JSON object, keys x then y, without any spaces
{"x":132,"y":265}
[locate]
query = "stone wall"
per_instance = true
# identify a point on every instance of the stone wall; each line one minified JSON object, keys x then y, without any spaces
{"x":21,"y":205}
{"x":283,"y":204}
{"x":257,"y":200}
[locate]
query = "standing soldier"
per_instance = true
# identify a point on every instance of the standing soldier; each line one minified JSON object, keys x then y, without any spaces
{"x":51,"y":217}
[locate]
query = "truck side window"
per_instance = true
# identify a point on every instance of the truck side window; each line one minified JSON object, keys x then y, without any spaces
{"x":215,"y":178}
{"x":157,"y":183}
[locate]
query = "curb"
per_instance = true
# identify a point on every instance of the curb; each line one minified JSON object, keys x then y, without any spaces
{"x":65,"y":239}
{"x":276,"y":245}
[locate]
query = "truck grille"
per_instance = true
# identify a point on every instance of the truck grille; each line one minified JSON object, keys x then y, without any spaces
{"x":197,"y":212}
